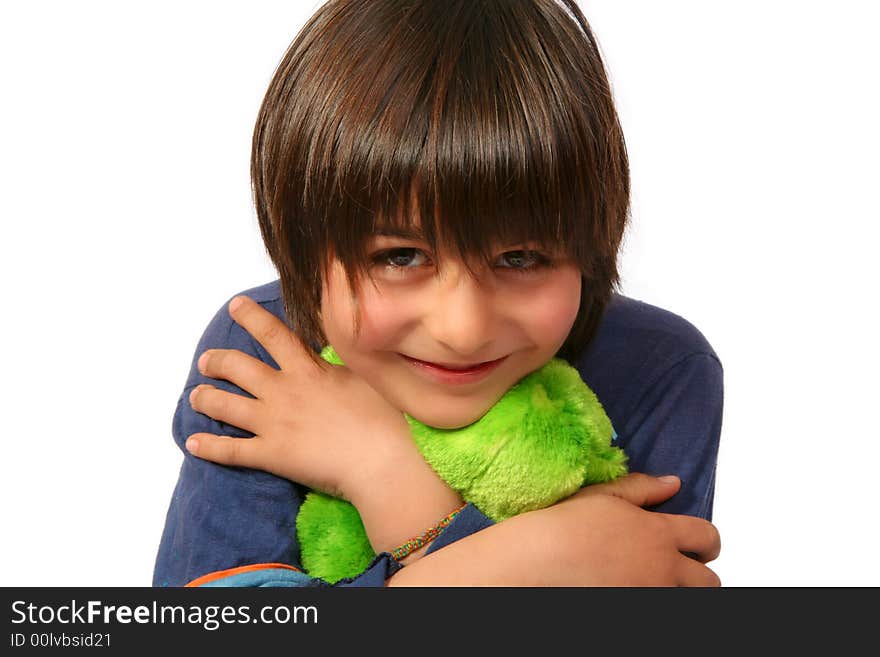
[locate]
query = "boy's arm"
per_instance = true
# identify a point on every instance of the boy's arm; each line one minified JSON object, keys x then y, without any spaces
{"x":598,"y":537}
{"x":673,"y":428}
{"x":223,"y":517}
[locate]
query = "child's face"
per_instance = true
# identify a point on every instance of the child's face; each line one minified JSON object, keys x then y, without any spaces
{"x":417,"y":315}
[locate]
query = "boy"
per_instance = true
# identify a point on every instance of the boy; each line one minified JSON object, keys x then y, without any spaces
{"x":442,"y":186}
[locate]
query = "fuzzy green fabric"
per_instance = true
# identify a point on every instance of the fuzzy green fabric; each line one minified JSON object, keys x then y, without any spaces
{"x":543,"y":440}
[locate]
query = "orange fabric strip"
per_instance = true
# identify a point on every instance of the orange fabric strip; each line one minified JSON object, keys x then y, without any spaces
{"x":210,"y":577}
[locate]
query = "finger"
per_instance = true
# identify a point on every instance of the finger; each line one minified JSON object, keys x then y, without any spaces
{"x":273,"y":334}
{"x":226,"y":450}
{"x":693,"y":573}
{"x":695,"y":536}
{"x":223,"y":406}
{"x":237,"y":367}
{"x":637,"y":488}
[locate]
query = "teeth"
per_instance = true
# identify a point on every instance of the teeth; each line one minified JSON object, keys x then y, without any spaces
{"x":457,"y":368}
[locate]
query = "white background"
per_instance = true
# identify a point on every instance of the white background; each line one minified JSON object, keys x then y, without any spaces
{"x":127,"y":222}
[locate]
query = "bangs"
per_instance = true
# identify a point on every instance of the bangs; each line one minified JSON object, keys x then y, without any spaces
{"x":476,"y":135}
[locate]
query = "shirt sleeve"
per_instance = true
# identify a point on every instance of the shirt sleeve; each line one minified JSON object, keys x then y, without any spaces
{"x":675,"y":428}
{"x":469,"y":521}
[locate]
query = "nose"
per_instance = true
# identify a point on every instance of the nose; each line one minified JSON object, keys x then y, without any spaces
{"x":461,"y":314}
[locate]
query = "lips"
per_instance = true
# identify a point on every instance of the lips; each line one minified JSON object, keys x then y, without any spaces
{"x":454,"y":372}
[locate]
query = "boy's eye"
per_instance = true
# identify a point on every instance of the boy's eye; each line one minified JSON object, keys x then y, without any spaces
{"x":400,"y":258}
{"x":524,"y":261}
{"x":407,"y":258}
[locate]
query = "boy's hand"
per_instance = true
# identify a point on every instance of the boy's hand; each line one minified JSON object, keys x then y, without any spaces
{"x":640,"y":547}
{"x":600,"y":536}
{"x":316,"y":424}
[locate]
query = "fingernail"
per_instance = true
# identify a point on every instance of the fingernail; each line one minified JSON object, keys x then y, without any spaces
{"x":203,"y":361}
{"x":668,"y":479}
{"x":192,"y":395}
{"x":235,"y":303}
{"x":192,"y":444}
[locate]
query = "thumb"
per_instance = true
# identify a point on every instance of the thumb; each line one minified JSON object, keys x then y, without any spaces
{"x":637,"y":488}
{"x":226,"y":450}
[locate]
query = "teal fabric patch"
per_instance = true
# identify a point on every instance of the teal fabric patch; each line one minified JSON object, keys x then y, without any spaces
{"x":267,"y":577}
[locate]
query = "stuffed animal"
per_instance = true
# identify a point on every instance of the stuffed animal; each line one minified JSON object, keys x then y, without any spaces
{"x":542,"y":441}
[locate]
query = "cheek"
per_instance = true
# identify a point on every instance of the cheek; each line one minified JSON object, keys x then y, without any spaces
{"x":553,"y":311}
{"x":382,"y":317}
{"x":382,"y":320}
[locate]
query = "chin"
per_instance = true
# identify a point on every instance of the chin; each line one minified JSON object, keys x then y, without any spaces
{"x":449,"y":424}
{"x":450,"y":419}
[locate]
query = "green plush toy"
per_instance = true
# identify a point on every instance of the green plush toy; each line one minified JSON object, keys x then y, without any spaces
{"x":543,"y":440}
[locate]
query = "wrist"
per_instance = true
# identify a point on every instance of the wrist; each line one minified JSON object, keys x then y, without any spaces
{"x":399,"y":497}
{"x":409,"y":549}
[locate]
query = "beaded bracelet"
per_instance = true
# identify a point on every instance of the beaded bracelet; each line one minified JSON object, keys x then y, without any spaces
{"x":414,"y":544}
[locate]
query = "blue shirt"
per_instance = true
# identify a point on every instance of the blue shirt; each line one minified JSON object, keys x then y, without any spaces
{"x":656,"y":375}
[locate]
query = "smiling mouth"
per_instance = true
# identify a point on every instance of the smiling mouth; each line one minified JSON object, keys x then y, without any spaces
{"x":456,"y":370}
{"x":453,"y":367}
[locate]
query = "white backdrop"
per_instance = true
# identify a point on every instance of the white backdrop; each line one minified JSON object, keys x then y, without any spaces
{"x":127,"y":222}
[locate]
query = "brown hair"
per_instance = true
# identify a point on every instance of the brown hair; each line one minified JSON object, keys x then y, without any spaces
{"x":493,"y":118}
